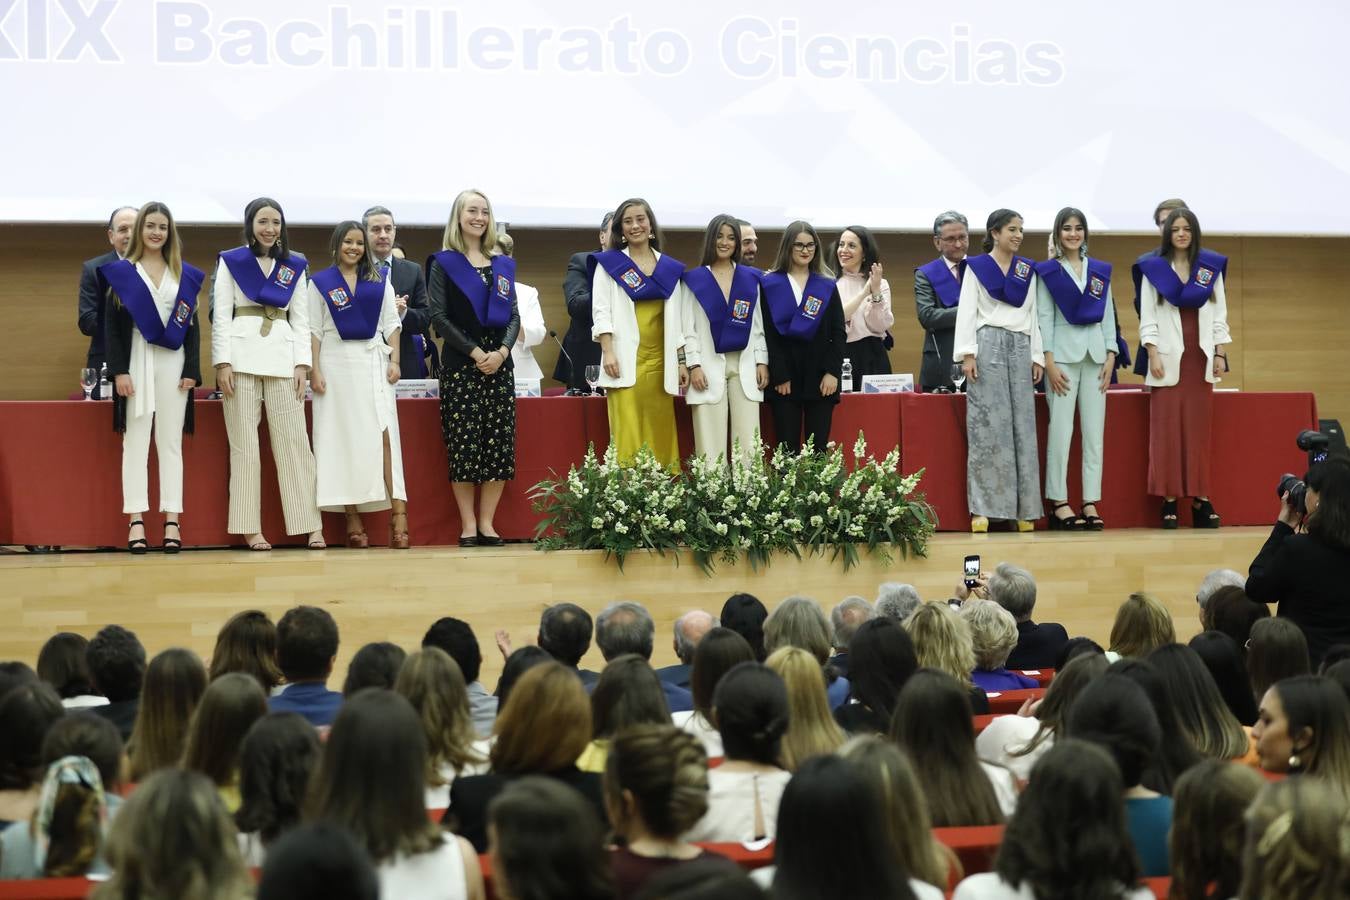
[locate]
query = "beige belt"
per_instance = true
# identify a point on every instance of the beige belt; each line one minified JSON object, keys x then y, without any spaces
{"x":268,"y":314}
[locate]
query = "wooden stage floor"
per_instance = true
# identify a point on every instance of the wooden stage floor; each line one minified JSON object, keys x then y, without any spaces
{"x":378,"y":595}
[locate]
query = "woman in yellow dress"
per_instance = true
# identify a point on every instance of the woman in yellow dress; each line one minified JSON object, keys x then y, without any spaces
{"x":638,"y":329}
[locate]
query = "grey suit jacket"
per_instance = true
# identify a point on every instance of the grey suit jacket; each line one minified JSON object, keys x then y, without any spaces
{"x":939,"y":326}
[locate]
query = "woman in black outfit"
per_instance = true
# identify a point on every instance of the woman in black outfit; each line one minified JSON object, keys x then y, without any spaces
{"x":1308,"y":574}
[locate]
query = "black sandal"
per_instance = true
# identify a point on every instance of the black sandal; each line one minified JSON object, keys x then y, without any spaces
{"x":1203,"y":514}
{"x":1068,"y":523}
{"x":1093,"y":523}
{"x":1169,"y":514}
{"x":140,"y":545}
{"x":173,"y":545}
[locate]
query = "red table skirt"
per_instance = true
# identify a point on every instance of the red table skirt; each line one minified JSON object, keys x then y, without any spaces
{"x":60,"y":463}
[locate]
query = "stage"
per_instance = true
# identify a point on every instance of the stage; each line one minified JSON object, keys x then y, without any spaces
{"x":390,"y":595}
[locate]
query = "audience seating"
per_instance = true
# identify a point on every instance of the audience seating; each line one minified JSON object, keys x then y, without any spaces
{"x":1006,"y":702}
{"x":975,"y":847}
{"x":982,"y":722}
{"x":1043,"y":676}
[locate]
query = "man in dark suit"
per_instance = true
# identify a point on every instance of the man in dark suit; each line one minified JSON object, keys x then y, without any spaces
{"x":689,"y":630}
{"x":120,"y":225}
{"x":951,"y":237}
{"x":1038,"y":646}
{"x":846,"y":619}
{"x":578,"y":343}
{"x":626,"y":627}
{"x":410,"y":294}
{"x":1160,"y":213}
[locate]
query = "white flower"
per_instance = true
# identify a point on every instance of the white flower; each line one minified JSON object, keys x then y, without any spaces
{"x":677,"y":526}
{"x":720,"y":528}
{"x":620,"y":507}
{"x":816,"y":521}
{"x":597,"y":523}
{"x":620,"y":528}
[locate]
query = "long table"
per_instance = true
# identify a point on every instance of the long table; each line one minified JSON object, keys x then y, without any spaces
{"x":60,"y":463}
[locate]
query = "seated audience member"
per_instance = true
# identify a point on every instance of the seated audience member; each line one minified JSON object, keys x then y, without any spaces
{"x":1335,"y":653}
{"x":579,"y":350}
{"x":993,"y":635}
{"x":276,"y":760}
{"x":247,"y":643}
{"x":431,"y":682}
{"x":908,"y":826}
{"x":307,"y":645}
{"x":15,"y":674}
{"x":26,"y":712}
{"x":690,"y":628}
{"x":811,"y":730}
{"x":897,"y":601}
{"x":317,"y":862}
{"x":542,"y":729}
{"x":845,"y":619}
{"x":62,"y":664}
{"x":1296,"y":843}
{"x":656,"y":788}
{"x":1276,"y":650}
{"x":1177,"y":753}
{"x":174,"y":683}
{"x":1075,"y":647}
{"x":799,"y":622}
{"x":1339,"y":672}
{"x":517,"y":664}
{"x":831,"y":836}
{"x":82,"y":756}
{"x":1013,"y":588}
{"x":627,"y":694}
{"x":456,"y":638}
{"x":1224,"y":660}
{"x":228,"y":709}
{"x":117,"y":663}
{"x":547,"y":844}
{"x":1219,"y":578}
{"x":1114,"y":713}
{"x":942,"y":641}
{"x":1231,"y":611}
{"x":627,"y":627}
{"x":1207,"y":829}
{"x":565,"y":635}
{"x":371,"y":781}
{"x":1016,"y":742}
{"x":1068,"y":837}
{"x":745,"y":615}
{"x":933,"y":724}
{"x":1205,"y":719}
{"x":1304,"y":727}
{"x":1142,"y":624}
{"x":173,"y":838}
{"x":883,"y":659}
{"x":750,"y":707}
{"x":719,"y":652}
{"x":374,"y":665}
{"x":712,"y":877}
{"x":1305,"y":574}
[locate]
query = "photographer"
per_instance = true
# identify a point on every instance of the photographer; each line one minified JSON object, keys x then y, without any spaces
{"x":1304,"y":566}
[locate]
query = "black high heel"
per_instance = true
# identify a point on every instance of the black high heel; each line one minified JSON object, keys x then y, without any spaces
{"x":1094,"y":523}
{"x":1203,"y":514}
{"x":140,"y":545}
{"x":1068,"y":523}
{"x":173,"y":545}
{"x":1169,"y":514}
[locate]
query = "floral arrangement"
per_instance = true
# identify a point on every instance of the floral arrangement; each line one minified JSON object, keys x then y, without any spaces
{"x":788,"y":504}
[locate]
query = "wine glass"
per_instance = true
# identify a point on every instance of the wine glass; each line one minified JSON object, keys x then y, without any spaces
{"x":958,"y":376}
{"x":592,"y":377}
{"x":88,"y":378}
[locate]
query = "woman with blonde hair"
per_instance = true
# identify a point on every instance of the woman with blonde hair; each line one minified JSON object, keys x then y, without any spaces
{"x":908,"y":823}
{"x":174,"y":838}
{"x":993,"y":635}
{"x":432,"y":682}
{"x":1207,"y":829}
{"x":811,"y":730}
{"x":942,"y":641}
{"x":174,"y":683}
{"x":472,"y":285}
{"x":1142,"y":624}
{"x":1298,"y":843}
{"x":800,"y":622}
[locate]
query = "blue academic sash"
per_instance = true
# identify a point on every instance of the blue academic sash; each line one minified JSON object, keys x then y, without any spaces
{"x":945,"y":285}
{"x":131,"y":289}
{"x":657,"y":286}
{"x":273,"y":290}
{"x":1085,"y":307}
{"x":729,"y":318}
{"x":491,"y":304}
{"x":1196,"y":292}
{"x":793,"y":321}
{"x":1010,"y":288}
{"x":357,"y":317}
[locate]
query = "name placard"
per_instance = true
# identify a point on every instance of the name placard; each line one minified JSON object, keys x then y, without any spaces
{"x":528,"y":387}
{"x":888,"y":384}
{"x":417,"y":388}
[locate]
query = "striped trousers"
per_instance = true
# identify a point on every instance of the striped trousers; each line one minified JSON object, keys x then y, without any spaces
{"x":290,"y":451}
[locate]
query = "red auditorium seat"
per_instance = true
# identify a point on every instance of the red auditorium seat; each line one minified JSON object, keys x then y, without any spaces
{"x":1043,"y":676}
{"x":1006,"y":702}
{"x":982,"y":722}
{"x":47,"y":889}
{"x":974,"y":846}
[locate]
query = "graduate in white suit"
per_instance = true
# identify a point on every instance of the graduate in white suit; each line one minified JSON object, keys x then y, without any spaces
{"x":355,"y":335}
{"x":532,"y":327}
{"x":726,"y":359}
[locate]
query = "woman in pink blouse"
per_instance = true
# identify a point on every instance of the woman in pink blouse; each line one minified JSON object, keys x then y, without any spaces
{"x":867,"y":303}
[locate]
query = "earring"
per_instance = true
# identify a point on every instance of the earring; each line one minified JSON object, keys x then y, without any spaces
{"x":1294,"y":762}
{"x":623,"y":239}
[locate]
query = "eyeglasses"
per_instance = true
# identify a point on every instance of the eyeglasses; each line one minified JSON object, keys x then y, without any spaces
{"x":961,"y":239}
{"x":805,"y":248}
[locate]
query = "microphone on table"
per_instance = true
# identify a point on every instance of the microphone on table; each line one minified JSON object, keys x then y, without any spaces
{"x":571,"y":392}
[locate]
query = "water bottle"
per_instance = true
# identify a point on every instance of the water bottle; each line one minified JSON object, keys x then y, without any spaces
{"x":846,"y":376}
{"x":105,"y":391}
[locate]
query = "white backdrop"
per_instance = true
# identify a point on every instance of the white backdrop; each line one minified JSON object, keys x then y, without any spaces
{"x":878,"y":113}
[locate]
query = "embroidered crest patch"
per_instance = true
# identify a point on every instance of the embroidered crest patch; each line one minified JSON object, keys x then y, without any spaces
{"x":503,"y":286}
{"x":1096,"y":287}
{"x":812,"y":306}
{"x":1203,"y":276}
{"x":182,"y":312}
{"x":285,"y":275}
{"x":740,"y":309}
{"x":1022,"y":269}
{"x":632,"y":279}
{"x":339,"y":297}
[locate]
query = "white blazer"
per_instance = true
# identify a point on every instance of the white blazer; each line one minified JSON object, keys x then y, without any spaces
{"x":700,"y":351}
{"x":239,"y":341}
{"x":532,"y":333}
{"x":612,"y":313}
{"x":1160,"y":325}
